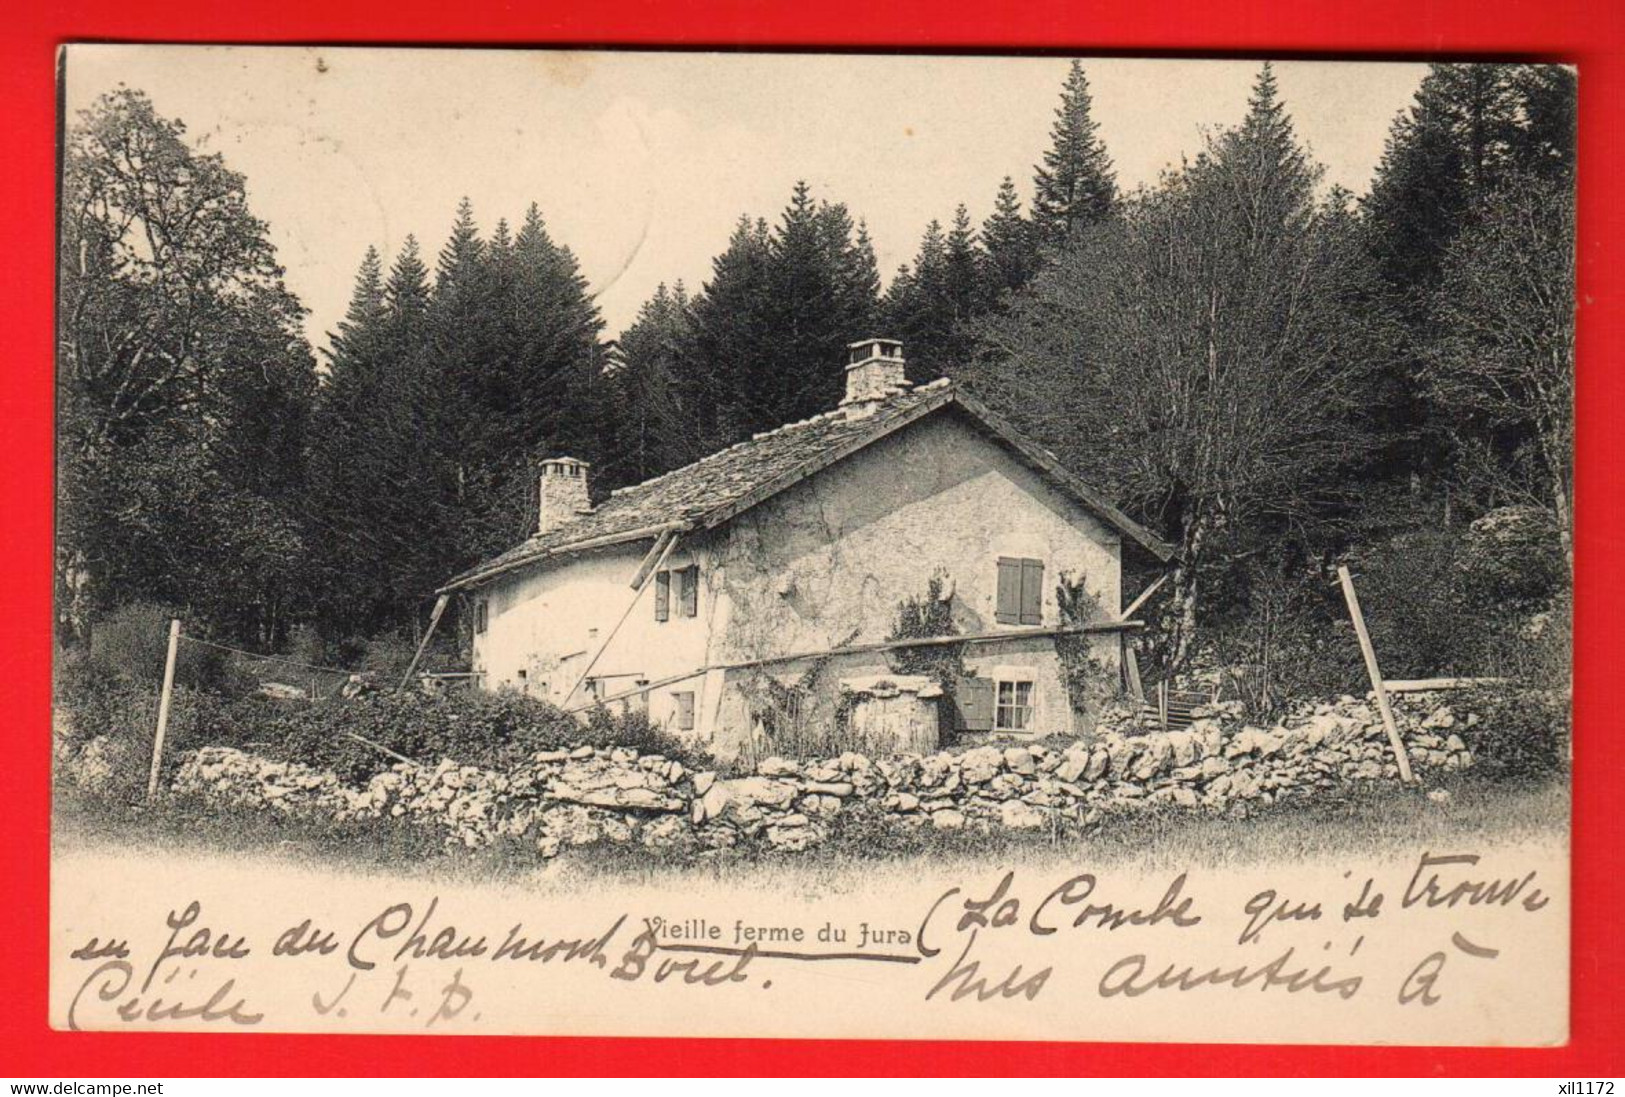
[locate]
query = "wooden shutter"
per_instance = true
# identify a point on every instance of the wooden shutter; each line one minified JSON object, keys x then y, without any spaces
{"x":689,"y":578}
{"x":973,"y":704}
{"x":1032,"y":592}
{"x":662,"y":595}
{"x":685,"y":710}
{"x":1007,"y":611}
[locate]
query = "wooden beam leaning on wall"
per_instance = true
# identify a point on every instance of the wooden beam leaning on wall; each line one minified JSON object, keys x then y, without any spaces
{"x":423,"y":645}
{"x":652,"y":560}
{"x":1131,"y":661}
{"x":1145,"y":595}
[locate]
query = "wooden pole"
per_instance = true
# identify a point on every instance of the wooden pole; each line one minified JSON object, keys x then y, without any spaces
{"x":1145,"y":595}
{"x":859,"y":649}
{"x":1131,"y":668}
{"x":1425,"y":685}
{"x":1372,"y":669}
{"x":645,"y":571}
{"x":163,"y":707}
{"x":417,"y":656}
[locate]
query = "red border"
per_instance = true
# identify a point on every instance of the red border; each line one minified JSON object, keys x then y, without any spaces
{"x":1588,"y":32}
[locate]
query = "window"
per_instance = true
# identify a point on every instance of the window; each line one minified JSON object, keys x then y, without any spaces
{"x":1020,"y":592}
{"x":1014,"y":709}
{"x":688,"y":593}
{"x":481,"y":612}
{"x":685,"y":710}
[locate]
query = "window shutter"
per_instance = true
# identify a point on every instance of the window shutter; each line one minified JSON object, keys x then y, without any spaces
{"x":662,"y":595}
{"x":973,"y":702}
{"x":1007,"y":611}
{"x":1032,"y":592}
{"x":690,"y":577}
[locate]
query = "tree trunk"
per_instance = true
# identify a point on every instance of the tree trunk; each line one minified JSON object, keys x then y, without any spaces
{"x":74,"y":599}
{"x":1560,"y":504}
{"x":1560,"y":497}
{"x":1185,"y":594}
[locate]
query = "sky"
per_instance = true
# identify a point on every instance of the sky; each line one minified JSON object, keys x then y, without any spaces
{"x":643,"y":162}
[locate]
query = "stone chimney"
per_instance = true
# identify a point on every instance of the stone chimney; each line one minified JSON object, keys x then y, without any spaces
{"x":562,"y":494}
{"x":874,"y":371}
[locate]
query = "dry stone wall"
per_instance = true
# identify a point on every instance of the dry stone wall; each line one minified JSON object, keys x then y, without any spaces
{"x":574,"y":797}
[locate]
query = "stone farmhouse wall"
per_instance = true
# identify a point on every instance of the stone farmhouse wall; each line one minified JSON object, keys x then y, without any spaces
{"x":575,"y":797}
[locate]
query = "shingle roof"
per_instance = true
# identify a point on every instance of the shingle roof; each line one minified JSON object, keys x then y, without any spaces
{"x":714,"y":489}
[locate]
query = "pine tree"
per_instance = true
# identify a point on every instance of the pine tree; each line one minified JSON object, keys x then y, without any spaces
{"x":406,"y":292}
{"x":860,"y":277}
{"x":366,"y":312}
{"x":910,"y":307}
{"x":1075,"y":186}
{"x":1263,"y":157}
{"x":536,"y":389}
{"x":770,"y":328}
{"x":1010,"y":252}
{"x":657,"y":432}
{"x":731,"y":335}
{"x":1471,"y":127}
{"x":375,"y":522}
{"x":1545,"y":147}
{"x":930,"y":306}
{"x":1471,"y":130}
{"x":962,"y":259}
{"x":459,"y":259}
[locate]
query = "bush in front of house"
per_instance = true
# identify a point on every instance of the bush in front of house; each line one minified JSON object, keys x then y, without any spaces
{"x":360,"y":737}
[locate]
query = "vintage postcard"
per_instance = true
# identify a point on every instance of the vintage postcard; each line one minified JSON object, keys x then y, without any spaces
{"x":800,"y":545}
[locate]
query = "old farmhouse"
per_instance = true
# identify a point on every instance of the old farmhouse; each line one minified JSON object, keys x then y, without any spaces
{"x":775,"y":569}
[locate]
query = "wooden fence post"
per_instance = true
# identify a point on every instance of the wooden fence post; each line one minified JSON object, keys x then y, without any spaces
{"x":1370,"y":654}
{"x":163,"y":707}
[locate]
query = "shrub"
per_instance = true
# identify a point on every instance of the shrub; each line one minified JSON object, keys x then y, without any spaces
{"x":358,"y":738}
{"x":1090,"y":684}
{"x":635,"y":730}
{"x":1287,"y":637}
{"x":355,"y":738}
{"x":1522,"y":735}
{"x":125,"y":715}
{"x":1444,"y":602}
{"x":132,"y":643}
{"x":928,"y":617}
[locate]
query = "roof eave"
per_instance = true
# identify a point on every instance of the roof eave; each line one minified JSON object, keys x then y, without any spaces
{"x":479,"y":575}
